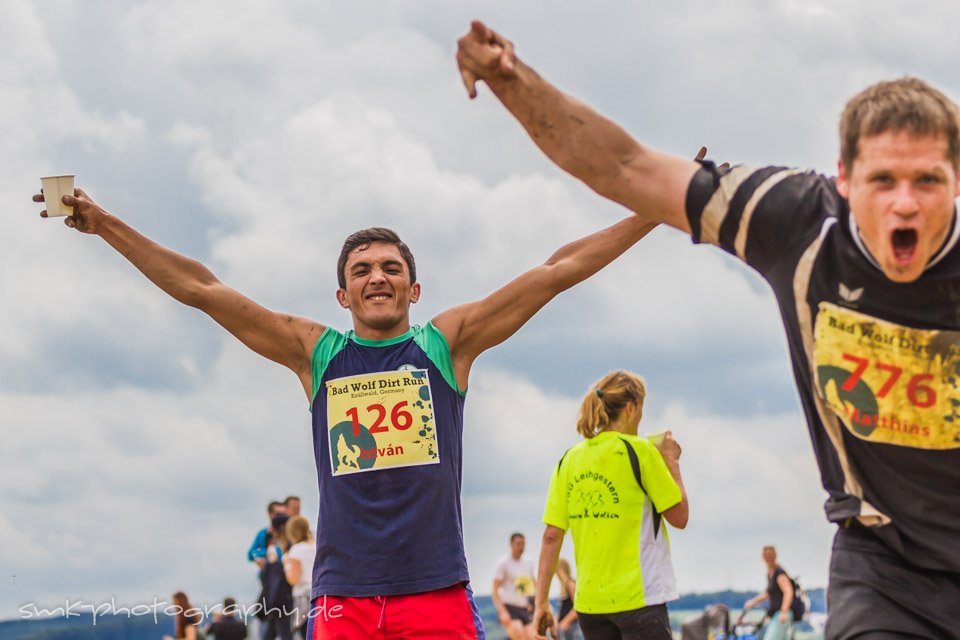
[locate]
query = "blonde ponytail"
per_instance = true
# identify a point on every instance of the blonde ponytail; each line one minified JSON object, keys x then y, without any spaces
{"x":607,"y":398}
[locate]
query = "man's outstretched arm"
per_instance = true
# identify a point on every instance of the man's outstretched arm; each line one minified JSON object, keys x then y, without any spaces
{"x":283,"y":338}
{"x":578,"y":139}
{"x":474,"y":327}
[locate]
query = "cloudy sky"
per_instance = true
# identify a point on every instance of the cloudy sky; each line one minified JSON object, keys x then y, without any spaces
{"x":141,"y":443}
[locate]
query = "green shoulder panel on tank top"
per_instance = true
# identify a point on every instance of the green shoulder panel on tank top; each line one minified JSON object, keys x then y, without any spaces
{"x":435,"y":345}
{"x":428,"y":338}
{"x":330,"y":343}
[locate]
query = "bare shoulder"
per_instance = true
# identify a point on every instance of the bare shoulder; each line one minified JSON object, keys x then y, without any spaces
{"x":307,"y":330}
{"x":450,"y":323}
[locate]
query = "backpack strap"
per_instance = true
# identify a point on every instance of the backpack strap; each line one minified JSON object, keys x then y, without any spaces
{"x":561,"y":460}
{"x":798,"y":606}
{"x":635,"y":464}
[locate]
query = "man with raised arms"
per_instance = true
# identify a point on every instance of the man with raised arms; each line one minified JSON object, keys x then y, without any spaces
{"x":387,"y":402}
{"x":866,"y":271}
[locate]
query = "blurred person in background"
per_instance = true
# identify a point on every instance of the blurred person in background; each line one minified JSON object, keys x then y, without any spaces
{"x":186,"y":624}
{"x":513,"y":587}
{"x":780,"y":597}
{"x":227,"y":624}
{"x":569,"y":628}
{"x":292,"y":505}
{"x":258,"y":549}
{"x":276,"y":596}
{"x":298,"y":569}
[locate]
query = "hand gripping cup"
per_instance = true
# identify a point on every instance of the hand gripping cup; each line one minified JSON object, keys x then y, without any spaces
{"x":54,"y":188}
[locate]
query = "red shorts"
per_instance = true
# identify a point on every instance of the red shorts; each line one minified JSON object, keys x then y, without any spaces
{"x":448,"y":613}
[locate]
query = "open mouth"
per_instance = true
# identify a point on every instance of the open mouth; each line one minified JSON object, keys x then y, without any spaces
{"x":904,"y":243}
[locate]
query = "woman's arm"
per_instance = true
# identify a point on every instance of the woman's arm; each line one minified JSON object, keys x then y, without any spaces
{"x":755,"y":600}
{"x":549,"y":554}
{"x":783,"y":581}
{"x":292,"y":569}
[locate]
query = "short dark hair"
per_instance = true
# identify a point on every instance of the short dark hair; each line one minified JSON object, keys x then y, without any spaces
{"x":273,"y":505}
{"x":287,"y":500}
{"x":515,"y":535}
{"x":365,"y":237}
{"x":906,"y":104}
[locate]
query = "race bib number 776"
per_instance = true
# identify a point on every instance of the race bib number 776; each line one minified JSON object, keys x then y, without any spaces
{"x":889,"y":383}
{"x":377,"y":421}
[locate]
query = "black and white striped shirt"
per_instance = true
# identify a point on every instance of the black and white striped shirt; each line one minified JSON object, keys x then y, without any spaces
{"x":876,"y":363}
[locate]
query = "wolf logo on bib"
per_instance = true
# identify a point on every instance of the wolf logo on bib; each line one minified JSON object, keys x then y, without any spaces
{"x":381,"y":420}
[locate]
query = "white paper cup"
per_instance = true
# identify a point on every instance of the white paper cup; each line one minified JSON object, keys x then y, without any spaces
{"x":54,"y":188}
{"x":656,"y":437}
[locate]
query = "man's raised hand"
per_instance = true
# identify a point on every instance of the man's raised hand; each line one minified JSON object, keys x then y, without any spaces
{"x":483,"y":54}
{"x":86,"y":214}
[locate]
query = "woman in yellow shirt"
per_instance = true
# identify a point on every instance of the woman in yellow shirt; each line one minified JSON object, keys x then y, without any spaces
{"x":613,"y":491}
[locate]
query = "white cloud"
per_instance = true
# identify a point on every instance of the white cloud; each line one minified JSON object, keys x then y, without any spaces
{"x":127,"y":492}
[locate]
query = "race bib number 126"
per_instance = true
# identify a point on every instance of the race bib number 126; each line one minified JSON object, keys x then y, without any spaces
{"x":381,"y":420}
{"x":889,"y":383}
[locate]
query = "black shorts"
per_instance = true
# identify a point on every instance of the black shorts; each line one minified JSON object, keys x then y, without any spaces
{"x":523,"y":614}
{"x":648,"y":623}
{"x":874,"y":594}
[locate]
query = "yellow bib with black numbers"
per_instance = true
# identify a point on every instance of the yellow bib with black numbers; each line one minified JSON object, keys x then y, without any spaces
{"x":382,"y":420}
{"x":888,"y":383}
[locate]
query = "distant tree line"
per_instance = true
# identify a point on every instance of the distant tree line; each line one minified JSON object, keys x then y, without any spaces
{"x":735,"y":599}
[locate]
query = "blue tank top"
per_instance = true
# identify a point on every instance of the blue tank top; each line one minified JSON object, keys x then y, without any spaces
{"x":387,"y":432}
